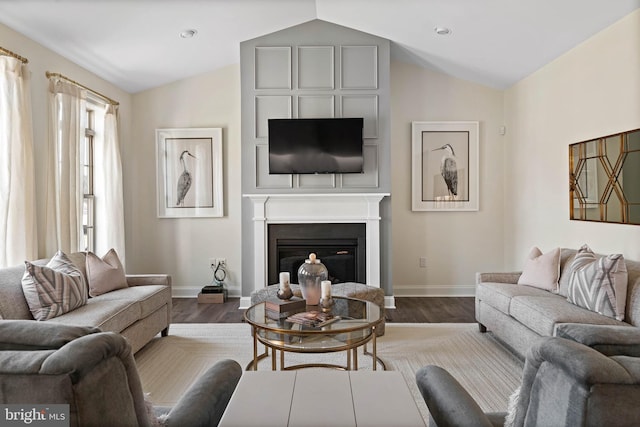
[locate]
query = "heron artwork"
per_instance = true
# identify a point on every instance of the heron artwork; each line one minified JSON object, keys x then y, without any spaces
{"x":184,"y":182}
{"x":449,"y":169}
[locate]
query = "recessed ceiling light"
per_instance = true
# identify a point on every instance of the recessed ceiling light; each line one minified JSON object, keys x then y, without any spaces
{"x":187,"y":34}
{"x":442,"y":31}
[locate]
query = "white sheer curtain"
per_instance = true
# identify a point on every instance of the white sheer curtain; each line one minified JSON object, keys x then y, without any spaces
{"x":64,"y":184}
{"x":18,"y":241}
{"x":109,"y":209}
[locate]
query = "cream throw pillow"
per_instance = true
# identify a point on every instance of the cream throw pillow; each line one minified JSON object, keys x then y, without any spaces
{"x":541,"y":270}
{"x":599,"y":284}
{"x":106,"y":274}
{"x":54,"y":289}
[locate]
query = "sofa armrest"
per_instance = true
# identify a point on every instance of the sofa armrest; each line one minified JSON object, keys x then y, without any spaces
{"x":206,"y":400}
{"x":580,"y":362}
{"x":148,"y":279}
{"x":34,"y":335}
{"x":448,"y":402}
{"x":610,"y":340}
{"x":85,"y":353}
{"x":498,"y":277}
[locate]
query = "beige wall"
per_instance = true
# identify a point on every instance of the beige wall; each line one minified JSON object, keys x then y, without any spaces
{"x":41,"y":60}
{"x":182,"y":247}
{"x":455,"y":244}
{"x":592,"y":91}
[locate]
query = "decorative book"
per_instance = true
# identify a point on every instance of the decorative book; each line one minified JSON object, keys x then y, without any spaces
{"x":282,"y":306}
{"x":315,"y":319}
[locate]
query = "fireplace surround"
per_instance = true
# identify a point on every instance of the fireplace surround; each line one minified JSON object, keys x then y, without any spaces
{"x":338,"y":208}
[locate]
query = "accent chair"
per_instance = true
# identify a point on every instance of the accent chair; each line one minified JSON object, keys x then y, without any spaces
{"x":564,"y":383}
{"x":95,"y":373}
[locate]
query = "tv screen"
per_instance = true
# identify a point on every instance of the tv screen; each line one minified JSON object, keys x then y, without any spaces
{"x":309,"y":146}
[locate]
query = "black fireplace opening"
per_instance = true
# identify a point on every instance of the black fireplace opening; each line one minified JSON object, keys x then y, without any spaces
{"x":340,"y":247}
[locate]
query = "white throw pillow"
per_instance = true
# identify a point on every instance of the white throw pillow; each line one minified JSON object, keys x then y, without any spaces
{"x":54,"y":289}
{"x":541,"y":270}
{"x":106,"y":274}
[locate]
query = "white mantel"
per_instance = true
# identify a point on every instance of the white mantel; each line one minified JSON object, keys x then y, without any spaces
{"x":316,"y":208}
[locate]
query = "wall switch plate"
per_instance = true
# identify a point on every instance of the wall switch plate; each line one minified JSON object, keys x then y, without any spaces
{"x":423,"y":262}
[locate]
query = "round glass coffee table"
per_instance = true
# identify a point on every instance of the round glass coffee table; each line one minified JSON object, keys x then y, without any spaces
{"x":355,"y":327}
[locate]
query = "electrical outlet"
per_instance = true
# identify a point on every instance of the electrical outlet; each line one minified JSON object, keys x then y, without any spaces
{"x":213,"y":262}
{"x":423,"y":262}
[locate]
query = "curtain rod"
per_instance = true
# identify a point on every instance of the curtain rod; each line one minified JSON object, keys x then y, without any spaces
{"x":106,"y":98}
{"x":7,"y":52}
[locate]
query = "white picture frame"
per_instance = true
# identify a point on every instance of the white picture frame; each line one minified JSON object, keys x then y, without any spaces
{"x":189,"y":181}
{"x":453,"y":146}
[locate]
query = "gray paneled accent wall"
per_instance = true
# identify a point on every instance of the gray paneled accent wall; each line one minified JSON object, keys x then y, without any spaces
{"x":316,"y":69}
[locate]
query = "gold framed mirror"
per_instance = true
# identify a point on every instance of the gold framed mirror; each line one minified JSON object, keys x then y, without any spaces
{"x":604,"y":179}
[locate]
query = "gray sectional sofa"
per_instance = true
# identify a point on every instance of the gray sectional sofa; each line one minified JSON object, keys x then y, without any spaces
{"x":520,"y":315}
{"x":138,"y":312}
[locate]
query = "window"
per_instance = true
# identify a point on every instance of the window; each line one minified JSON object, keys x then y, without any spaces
{"x":88,"y":198}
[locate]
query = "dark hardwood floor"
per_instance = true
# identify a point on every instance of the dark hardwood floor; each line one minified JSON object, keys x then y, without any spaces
{"x":408,"y":310}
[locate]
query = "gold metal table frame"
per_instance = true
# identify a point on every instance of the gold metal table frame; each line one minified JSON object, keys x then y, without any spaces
{"x":356,"y":328}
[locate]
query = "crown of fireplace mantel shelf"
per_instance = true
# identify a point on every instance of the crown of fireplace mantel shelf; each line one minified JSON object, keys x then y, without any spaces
{"x":301,"y":208}
{"x":316,"y":208}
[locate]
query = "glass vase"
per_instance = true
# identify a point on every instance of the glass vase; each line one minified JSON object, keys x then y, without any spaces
{"x":310,"y":276}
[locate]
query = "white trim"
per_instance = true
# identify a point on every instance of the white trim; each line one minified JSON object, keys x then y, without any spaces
{"x":316,"y":208}
{"x":434,"y":291}
{"x":389,"y":301}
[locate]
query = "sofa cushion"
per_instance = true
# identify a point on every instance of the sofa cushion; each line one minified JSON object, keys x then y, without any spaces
{"x":541,"y":270}
{"x":106,"y":274}
{"x":13,"y":305}
{"x":599,"y":284}
{"x":541,"y":314}
{"x":498,"y":295}
{"x":108,"y":315}
{"x":54,"y":289}
{"x":149,"y":297}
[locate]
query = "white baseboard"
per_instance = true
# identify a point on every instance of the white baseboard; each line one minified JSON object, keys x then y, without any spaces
{"x":389,"y":301}
{"x":434,"y":291}
{"x":245,"y":302}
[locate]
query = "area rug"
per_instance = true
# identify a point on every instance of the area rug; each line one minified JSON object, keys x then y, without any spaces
{"x":169,"y":365}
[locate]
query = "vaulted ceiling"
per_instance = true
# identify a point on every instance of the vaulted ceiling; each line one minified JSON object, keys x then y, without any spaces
{"x":136,"y":44}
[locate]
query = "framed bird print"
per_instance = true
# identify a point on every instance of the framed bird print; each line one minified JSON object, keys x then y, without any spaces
{"x":444,"y":166}
{"x":189,"y":172}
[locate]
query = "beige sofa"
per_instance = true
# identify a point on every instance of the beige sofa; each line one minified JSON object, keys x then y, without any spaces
{"x":519,"y":315}
{"x":138,"y":312}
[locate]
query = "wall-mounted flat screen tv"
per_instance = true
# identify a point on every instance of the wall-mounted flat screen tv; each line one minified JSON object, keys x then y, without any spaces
{"x":310,"y":146}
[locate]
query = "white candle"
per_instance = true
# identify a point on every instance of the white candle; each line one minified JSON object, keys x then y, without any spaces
{"x":326,"y":288}
{"x":284,"y":280}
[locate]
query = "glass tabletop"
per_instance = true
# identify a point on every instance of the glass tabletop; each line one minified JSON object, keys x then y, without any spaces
{"x":355,"y":322}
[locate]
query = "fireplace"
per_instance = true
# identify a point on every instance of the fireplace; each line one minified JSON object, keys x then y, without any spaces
{"x":305,"y":209}
{"x":340,"y":247}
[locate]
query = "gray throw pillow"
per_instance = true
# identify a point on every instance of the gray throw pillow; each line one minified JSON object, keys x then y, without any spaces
{"x":54,"y":289}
